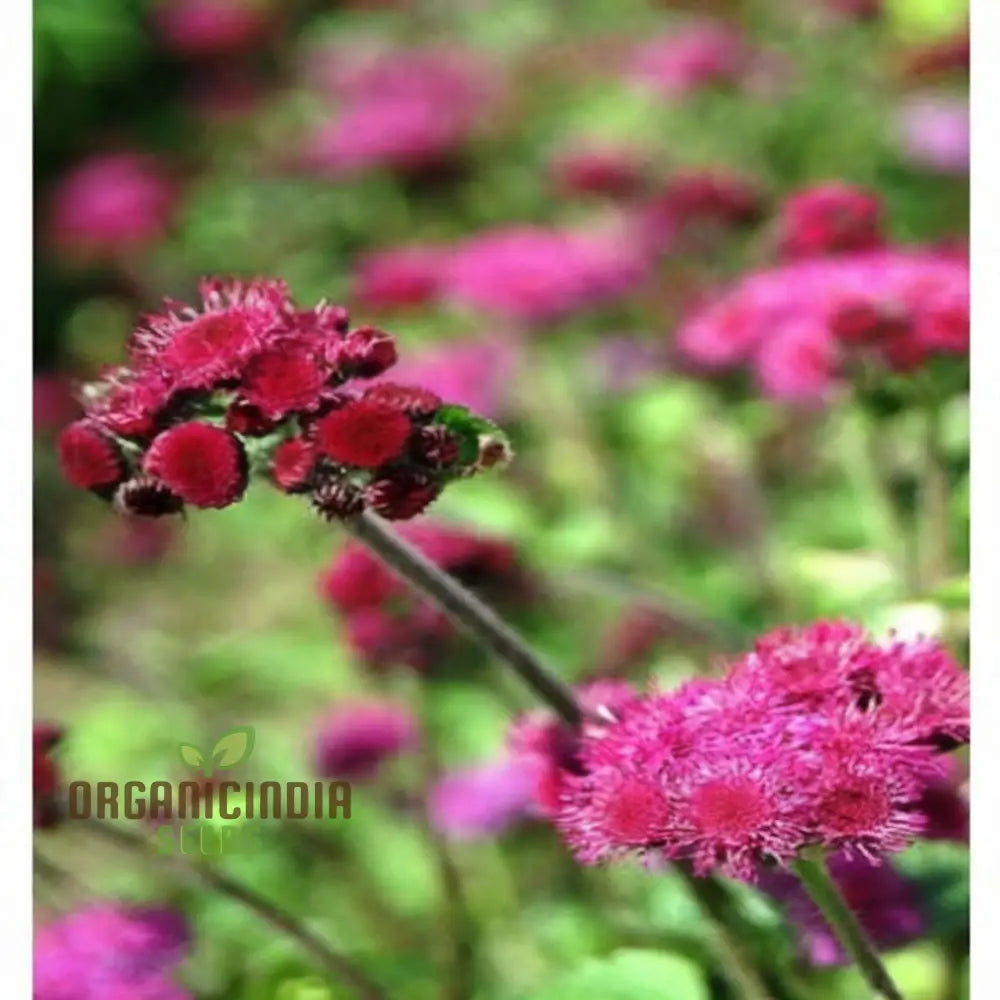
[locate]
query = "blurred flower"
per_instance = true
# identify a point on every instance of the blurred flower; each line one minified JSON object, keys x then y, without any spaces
{"x":797,"y":325}
{"x":697,"y":55}
{"x":111,"y":950}
{"x":110,"y":204}
{"x":818,"y":736}
{"x":385,"y":623}
{"x":829,"y":219}
{"x":944,"y":805}
{"x":356,"y":738}
{"x":882,"y":900}
{"x":199,"y":28}
{"x":611,"y":171}
{"x":401,"y":109}
{"x":400,"y":277}
{"x":632,"y":639}
{"x":531,"y":274}
{"x":45,"y":776}
{"x":483,"y":801}
{"x":272,"y":372}
{"x":941,"y":57}
{"x":934,"y":132}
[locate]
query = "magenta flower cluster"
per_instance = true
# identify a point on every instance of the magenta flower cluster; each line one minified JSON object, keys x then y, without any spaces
{"x":819,"y":736}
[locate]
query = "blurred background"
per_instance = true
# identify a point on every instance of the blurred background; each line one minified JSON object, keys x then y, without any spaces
{"x":537,"y":198}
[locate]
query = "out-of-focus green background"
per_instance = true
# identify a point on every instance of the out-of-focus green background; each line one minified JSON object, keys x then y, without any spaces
{"x":732,"y":512}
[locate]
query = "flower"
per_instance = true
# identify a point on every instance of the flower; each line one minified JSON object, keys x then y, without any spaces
{"x":355,"y":738}
{"x":611,"y":171}
{"x":203,"y":465}
{"x":882,"y":900}
{"x":817,"y":736}
{"x":484,"y":800}
{"x":400,"y":277}
{"x":201,"y":28}
{"x":110,"y":204}
{"x":89,"y":458}
{"x":799,"y":325}
{"x":698,"y":55}
{"x":293,"y":464}
{"x":934,"y":132}
{"x":110,"y":949}
{"x":277,"y":378}
{"x":532,"y":274}
{"x":829,"y":219}
{"x":365,"y":433}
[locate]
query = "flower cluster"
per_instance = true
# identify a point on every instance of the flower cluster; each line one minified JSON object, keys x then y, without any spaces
{"x":355,"y":738}
{"x":819,"y":736}
{"x":45,"y":776}
{"x":111,"y":950}
{"x":532,"y":274}
{"x":250,"y":376}
{"x":803,"y":324}
{"x":402,"y":109}
{"x":883,"y":901}
{"x":209,"y":28}
{"x":829,"y":219}
{"x":385,"y":624}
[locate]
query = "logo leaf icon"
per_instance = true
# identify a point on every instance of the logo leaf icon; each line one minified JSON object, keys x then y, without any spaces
{"x":233,"y":747}
{"x":191,"y":755}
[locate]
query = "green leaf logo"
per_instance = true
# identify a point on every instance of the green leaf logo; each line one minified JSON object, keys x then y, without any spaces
{"x":191,"y":755}
{"x":233,"y":747}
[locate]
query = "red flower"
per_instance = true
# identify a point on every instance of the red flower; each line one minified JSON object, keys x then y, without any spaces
{"x":202,"y":464}
{"x":338,"y":499}
{"x":367,"y":352}
{"x":363,"y":433}
{"x":829,"y":219}
{"x":145,"y":497}
{"x":411,"y":399}
{"x":283,"y":379}
{"x":437,"y":447}
{"x":401,"y":495}
{"x":293,"y":464}
{"x":89,"y":458}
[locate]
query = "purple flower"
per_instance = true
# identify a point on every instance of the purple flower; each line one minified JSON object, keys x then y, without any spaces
{"x":111,"y":951}
{"x":357,"y":737}
{"x":484,"y":800}
{"x":934,"y":132}
{"x":880,"y":897}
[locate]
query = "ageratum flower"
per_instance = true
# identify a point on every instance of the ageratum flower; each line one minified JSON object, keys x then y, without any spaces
{"x":111,"y":950}
{"x":802,"y":326}
{"x":355,"y":738}
{"x":819,"y":736}
{"x":248,"y":380}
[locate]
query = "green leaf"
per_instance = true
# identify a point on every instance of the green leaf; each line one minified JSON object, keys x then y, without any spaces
{"x":233,"y":747}
{"x":630,"y":974}
{"x":191,"y":755}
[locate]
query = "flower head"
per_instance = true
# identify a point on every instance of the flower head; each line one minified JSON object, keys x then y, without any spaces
{"x":829,"y":219}
{"x":364,"y":433}
{"x":400,"y":277}
{"x":699,"y":55}
{"x":90,"y":458}
{"x":204,"y":465}
{"x":204,"y":28}
{"x":355,"y":738}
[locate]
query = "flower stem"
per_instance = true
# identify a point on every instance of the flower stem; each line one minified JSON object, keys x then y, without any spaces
{"x":811,"y":869}
{"x":467,"y":611}
{"x":713,"y":901}
{"x":336,"y":965}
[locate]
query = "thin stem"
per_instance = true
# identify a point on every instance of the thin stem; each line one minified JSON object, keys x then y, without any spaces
{"x":713,"y":901}
{"x":336,"y":965}
{"x":467,"y":611}
{"x":812,"y":871}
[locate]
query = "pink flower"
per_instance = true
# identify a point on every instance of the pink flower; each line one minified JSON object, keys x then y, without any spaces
{"x":198,"y":28}
{"x":531,"y":274}
{"x":798,"y":325}
{"x":356,"y":738}
{"x":400,"y":277}
{"x":110,"y":204}
{"x":934,"y":132}
{"x":818,"y":736}
{"x":698,"y":55}
{"x":483,"y":801}
{"x":110,"y":950}
{"x":611,"y":171}
{"x":829,"y":219}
